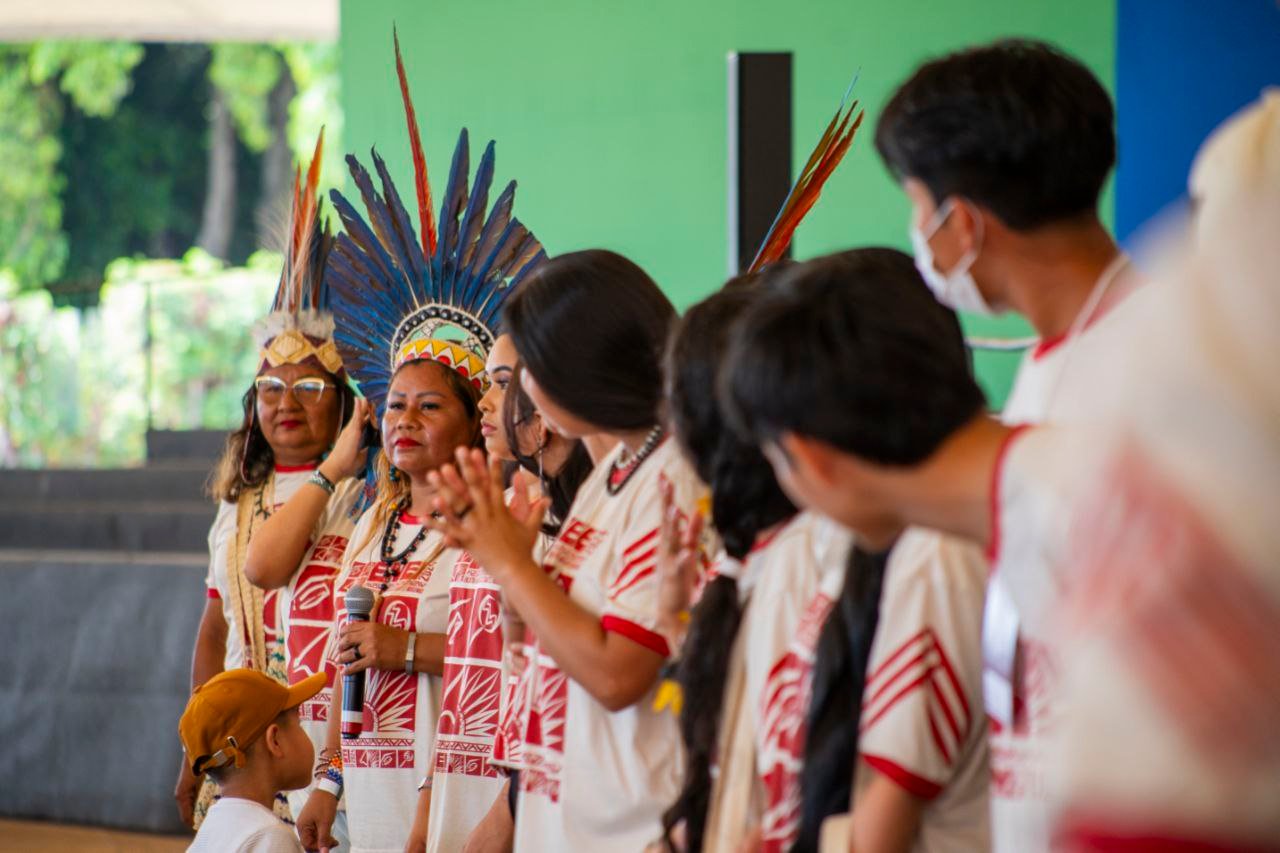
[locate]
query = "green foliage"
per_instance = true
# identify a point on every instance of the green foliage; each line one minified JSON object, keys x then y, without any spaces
{"x":135,"y":182}
{"x":76,"y":389}
{"x":32,"y":246}
{"x":246,"y":74}
{"x":94,"y":76}
{"x":104,"y":149}
{"x":314,"y":68}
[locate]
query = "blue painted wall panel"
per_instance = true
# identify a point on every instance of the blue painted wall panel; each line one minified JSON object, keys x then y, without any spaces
{"x":1182,"y":66}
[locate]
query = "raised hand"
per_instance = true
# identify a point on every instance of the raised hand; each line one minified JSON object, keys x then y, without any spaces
{"x":473,"y":513}
{"x":347,"y":456}
{"x":679,"y":560}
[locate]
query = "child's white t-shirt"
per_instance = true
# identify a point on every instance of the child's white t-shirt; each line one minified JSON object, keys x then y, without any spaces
{"x":234,"y":825}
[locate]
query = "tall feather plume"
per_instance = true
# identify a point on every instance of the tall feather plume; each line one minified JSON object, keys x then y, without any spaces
{"x":426,"y":214}
{"x":301,"y":286}
{"x":828,"y":153}
{"x":380,"y":273}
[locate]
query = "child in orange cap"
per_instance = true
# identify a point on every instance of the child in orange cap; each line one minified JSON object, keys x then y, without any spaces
{"x":242,"y":728}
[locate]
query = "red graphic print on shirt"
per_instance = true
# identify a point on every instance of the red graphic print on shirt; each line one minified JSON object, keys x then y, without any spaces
{"x":509,"y":738}
{"x":310,"y":621}
{"x":547,"y":694}
{"x":921,"y":663}
{"x":390,"y":697}
{"x":1015,"y":771}
{"x":472,"y":673}
{"x":782,"y":723}
{"x":543,"y":743}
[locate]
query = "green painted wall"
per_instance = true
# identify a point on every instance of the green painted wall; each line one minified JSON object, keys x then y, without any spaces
{"x":612,"y":115}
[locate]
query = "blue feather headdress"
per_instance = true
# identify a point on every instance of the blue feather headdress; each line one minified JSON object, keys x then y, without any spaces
{"x":397,"y":298}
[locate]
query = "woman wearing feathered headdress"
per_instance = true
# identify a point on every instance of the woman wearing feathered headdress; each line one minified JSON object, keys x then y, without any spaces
{"x":292,"y":415}
{"x":415,"y":324}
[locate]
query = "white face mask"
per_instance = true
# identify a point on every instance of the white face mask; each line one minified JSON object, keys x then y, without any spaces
{"x":957,"y":290}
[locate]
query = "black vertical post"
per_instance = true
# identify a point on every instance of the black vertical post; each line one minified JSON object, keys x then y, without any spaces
{"x":759,"y":149}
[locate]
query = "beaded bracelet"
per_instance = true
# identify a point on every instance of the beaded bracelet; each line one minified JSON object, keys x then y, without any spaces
{"x":318,"y":479}
{"x":328,"y":774}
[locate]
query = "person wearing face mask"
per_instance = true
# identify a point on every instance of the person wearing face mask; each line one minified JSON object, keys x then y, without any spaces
{"x":1003,"y":151}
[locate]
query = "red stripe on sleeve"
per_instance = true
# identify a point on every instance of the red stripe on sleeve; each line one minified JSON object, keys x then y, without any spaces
{"x":652,"y":641}
{"x":937,"y":739}
{"x":911,"y":783}
{"x":945,"y":707}
{"x":897,"y":697}
{"x":913,"y":665}
{"x":619,"y":588}
{"x":1102,"y":838}
{"x":945,"y":663}
{"x":871,"y":679}
{"x":639,"y":543}
{"x":212,"y":592}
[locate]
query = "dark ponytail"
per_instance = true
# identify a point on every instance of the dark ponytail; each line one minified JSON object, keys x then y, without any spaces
{"x":745,"y":500}
{"x":861,"y":324}
{"x":835,"y":704}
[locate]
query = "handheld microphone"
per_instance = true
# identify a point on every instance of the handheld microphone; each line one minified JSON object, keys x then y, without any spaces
{"x":359,"y":605}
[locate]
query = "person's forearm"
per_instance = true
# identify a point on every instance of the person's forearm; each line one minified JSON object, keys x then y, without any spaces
{"x":575,"y":639}
{"x":428,"y":653}
{"x":333,"y":726}
{"x":211,"y":644}
{"x":887,"y":819}
{"x":279,"y":543}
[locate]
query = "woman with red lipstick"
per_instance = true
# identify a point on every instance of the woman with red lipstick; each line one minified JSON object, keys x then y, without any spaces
{"x":415,"y":327}
{"x":600,"y":763}
{"x":484,"y":651}
{"x":430,"y":412}
{"x":292,"y":414}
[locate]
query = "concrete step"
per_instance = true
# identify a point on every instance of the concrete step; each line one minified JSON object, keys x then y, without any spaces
{"x":180,"y":526}
{"x":179,"y":481}
{"x":187,"y":444}
{"x":95,"y":677}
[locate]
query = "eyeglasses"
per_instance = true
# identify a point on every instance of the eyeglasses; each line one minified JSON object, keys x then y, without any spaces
{"x":308,"y":392}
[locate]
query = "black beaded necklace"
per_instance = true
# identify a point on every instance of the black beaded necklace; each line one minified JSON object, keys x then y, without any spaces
{"x":393,"y":562}
{"x":620,"y":474}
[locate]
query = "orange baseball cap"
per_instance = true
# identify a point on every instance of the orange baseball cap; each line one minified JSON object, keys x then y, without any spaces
{"x":230,"y":711}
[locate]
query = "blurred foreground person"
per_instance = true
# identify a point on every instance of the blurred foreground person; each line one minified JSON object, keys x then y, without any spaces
{"x":1171,"y":736}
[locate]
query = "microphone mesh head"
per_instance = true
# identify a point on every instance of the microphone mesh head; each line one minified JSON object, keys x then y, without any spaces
{"x":359,"y":602}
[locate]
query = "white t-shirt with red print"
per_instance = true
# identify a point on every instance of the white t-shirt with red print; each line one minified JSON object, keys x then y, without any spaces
{"x":1057,"y":381}
{"x":518,"y":675}
{"x":465,"y":784}
{"x":923,"y":725}
{"x":307,"y":615}
{"x":755,"y":777}
{"x":383,"y":766}
{"x":1038,"y":475}
{"x":222,"y":538}
{"x":1171,"y":740}
{"x":593,"y":779}
{"x":783,"y":701}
